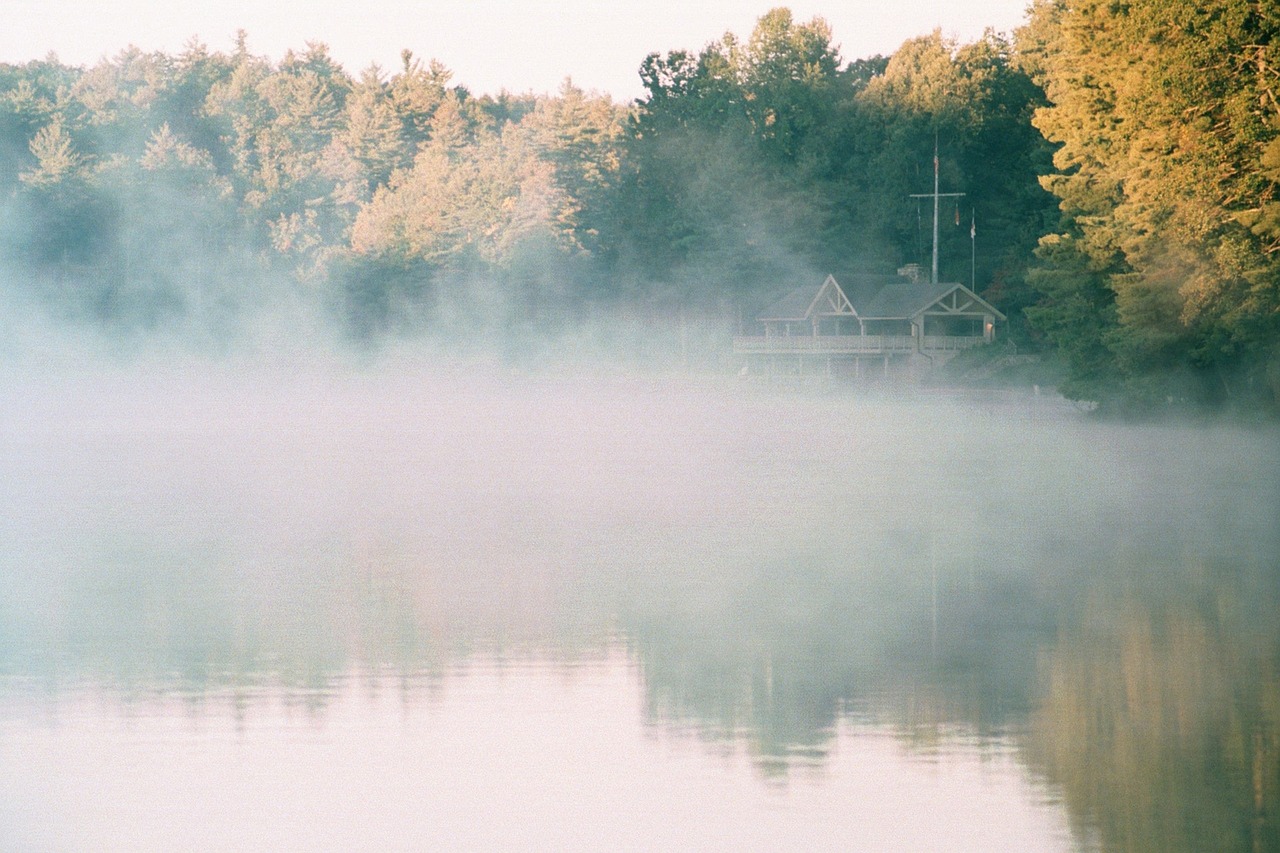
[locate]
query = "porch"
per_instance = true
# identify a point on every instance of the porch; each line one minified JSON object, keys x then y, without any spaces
{"x":852,"y":344}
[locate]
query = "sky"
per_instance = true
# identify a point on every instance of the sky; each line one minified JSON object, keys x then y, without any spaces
{"x":489,"y":45}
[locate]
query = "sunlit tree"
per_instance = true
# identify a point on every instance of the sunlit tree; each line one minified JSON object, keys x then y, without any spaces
{"x":1166,"y":122}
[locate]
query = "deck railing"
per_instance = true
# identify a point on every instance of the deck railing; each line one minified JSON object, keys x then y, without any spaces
{"x":950,"y":342}
{"x":849,"y":344}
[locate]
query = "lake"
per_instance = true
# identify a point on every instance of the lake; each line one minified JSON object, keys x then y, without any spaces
{"x":475,"y":610}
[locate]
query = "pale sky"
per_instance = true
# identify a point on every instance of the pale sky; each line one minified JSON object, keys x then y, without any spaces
{"x":518,"y":45}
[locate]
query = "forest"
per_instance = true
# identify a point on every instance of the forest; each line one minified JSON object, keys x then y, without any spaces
{"x":1119,"y":163}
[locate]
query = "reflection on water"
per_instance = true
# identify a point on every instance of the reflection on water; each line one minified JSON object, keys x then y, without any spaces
{"x":1160,"y":717}
{"x":532,"y":756}
{"x":543,"y":606}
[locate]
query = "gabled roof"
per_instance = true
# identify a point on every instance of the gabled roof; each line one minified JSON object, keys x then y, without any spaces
{"x":906,"y":299}
{"x":803,"y":303}
{"x":911,"y":299}
{"x":877,"y":297}
{"x":793,"y":306}
{"x":862,"y":287}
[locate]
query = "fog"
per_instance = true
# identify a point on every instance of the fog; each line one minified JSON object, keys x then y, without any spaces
{"x":561,"y":490}
{"x":770,"y":563}
{"x":333,"y":406}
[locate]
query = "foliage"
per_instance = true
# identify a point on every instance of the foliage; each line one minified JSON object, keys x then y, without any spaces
{"x":1119,"y":165}
{"x":769,"y":161}
{"x":1166,"y":123}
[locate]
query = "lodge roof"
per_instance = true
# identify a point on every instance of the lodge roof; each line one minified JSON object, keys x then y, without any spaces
{"x":870,"y":297}
{"x":793,"y":306}
{"x":904,"y":299}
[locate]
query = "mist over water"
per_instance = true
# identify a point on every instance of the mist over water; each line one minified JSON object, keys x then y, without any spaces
{"x":376,"y":471}
{"x":367,"y":577}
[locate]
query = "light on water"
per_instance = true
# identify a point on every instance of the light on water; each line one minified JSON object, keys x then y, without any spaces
{"x":481,"y":612}
{"x":531,"y":757}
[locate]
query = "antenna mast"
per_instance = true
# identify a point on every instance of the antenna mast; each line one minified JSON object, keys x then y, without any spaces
{"x":935,"y":195}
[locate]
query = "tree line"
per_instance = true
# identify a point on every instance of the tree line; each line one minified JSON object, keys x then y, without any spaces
{"x":1118,"y":164}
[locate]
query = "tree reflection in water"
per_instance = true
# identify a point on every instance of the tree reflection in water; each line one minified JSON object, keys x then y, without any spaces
{"x":1113,"y":621}
{"x":1160,"y":711}
{"x":1148,"y":693}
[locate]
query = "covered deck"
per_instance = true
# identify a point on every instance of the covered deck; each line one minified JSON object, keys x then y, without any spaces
{"x":853,"y":344}
{"x":890,"y":319}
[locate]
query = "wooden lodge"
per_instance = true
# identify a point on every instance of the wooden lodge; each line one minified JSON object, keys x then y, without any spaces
{"x":867,"y":325}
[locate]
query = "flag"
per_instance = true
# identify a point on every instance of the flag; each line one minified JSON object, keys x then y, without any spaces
{"x":973,"y":227}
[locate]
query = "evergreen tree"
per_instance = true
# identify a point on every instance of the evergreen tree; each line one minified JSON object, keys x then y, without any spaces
{"x":1165,"y":119}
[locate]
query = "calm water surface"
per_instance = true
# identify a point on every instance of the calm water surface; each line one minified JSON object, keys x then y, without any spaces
{"x":352,"y":613}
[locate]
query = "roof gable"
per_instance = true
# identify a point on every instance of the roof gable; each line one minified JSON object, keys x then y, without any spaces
{"x":830,"y":301}
{"x":874,"y":297}
{"x":804,"y":304}
{"x":956,"y":300}
{"x":907,"y":300}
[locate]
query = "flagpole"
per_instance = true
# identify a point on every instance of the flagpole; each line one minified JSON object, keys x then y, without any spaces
{"x":933,"y":279}
{"x":973,"y":251}
{"x":936,"y":196}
